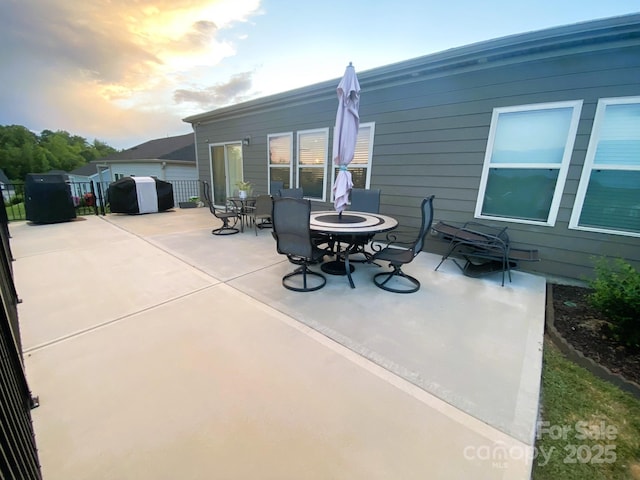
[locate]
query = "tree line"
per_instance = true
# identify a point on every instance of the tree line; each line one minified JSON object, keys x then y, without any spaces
{"x":23,"y":151}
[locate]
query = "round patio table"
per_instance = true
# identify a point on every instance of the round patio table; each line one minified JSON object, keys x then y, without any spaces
{"x":344,"y":227}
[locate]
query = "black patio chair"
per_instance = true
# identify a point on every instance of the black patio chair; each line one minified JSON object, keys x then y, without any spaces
{"x":261,"y":211}
{"x":485,"y":249}
{"x":400,"y":253}
{"x":363,"y":200}
{"x":226,"y":215}
{"x":291,"y":230}
{"x":274,"y":187}
{"x":291,"y":192}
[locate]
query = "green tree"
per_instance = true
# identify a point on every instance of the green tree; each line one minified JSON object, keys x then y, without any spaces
{"x":19,"y":150}
{"x":103,"y":149}
{"x":63,"y":149}
{"x":97,"y":150}
{"x":22,"y":151}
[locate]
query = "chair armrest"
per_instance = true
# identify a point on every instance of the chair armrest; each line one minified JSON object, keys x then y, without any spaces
{"x":392,"y":240}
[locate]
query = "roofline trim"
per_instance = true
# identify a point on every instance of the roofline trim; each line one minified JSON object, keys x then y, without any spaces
{"x":474,"y":56}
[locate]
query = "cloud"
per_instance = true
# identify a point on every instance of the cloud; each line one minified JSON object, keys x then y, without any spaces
{"x":200,"y":34}
{"x":82,"y":37}
{"x":112,"y":66}
{"x":221,"y":94}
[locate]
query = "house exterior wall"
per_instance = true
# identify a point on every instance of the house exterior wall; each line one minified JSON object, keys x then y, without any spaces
{"x":432,"y":119}
{"x":137,"y":170}
{"x":180,"y":172}
{"x":168,"y":172}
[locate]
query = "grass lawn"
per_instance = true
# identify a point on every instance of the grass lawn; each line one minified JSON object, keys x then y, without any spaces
{"x":589,"y":428}
{"x":16,"y":212}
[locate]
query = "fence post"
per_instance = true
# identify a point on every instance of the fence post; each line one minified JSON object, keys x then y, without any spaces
{"x":101,"y":198}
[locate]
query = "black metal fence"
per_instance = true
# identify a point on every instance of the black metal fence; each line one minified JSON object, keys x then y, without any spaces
{"x":89,"y":198}
{"x":18,"y":450}
{"x":184,"y":190}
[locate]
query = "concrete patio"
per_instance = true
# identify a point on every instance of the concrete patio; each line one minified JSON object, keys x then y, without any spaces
{"x":160,"y":351}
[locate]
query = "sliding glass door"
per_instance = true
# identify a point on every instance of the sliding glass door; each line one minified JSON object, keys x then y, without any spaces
{"x":226,"y":170}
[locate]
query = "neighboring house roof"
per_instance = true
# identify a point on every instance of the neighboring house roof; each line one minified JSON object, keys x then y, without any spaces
{"x":180,"y":148}
{"x":3,"y":177}
{"x":57,"y":172}
{"x":87,"y":170}
{"x":187,"y":153}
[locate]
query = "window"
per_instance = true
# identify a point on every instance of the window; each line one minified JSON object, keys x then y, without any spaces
{"x":360,"y":166}
{"x":608,"y":196}
{"x":312,"y":162}
{"x":280,"y":156}
{"x":526,"y":162}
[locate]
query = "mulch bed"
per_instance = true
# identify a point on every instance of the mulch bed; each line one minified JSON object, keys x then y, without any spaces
{"x":586,"y":330}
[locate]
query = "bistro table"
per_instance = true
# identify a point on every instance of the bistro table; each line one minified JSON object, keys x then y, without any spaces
{"x":242,"y":206}
{"x":344,"y":227}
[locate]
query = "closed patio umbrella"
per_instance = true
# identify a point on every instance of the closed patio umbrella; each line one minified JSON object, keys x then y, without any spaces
{"x":345,"y":135}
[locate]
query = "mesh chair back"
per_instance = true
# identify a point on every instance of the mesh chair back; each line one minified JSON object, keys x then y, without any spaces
{"x":290,"y":219}
{"x":427,"y":219}
{"x":206,"y":193}
{"x":275,"y":186}
{"x":363,"y":200}
{"x":206,"y":190}
{"x":291,"y":192}
{"x":263,"y":206}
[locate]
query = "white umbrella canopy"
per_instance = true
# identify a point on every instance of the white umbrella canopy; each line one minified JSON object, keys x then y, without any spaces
{"x":345,"y":135}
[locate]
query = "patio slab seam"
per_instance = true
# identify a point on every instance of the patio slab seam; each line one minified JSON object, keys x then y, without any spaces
{"x":112,"y":321}
{"x":151,"y":240}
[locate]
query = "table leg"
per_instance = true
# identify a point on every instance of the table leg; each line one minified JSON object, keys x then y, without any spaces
{"x":339,"y":266}
{"x":348,"y":267}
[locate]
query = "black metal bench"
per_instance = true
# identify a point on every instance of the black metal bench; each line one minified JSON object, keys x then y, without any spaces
{"x":485,"y":249}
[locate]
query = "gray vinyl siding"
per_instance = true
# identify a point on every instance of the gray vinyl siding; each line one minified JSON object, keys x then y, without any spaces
{"x":180,"y":172}
{"x":432,"y":118}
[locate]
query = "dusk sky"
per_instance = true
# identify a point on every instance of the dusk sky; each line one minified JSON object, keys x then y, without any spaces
{"x":124,"y":71}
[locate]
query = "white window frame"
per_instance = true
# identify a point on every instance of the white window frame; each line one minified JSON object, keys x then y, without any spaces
{"x":372,"y":131}
{"x":323,"y":166}
{"x":233,"y":172}
{"x":588,"y":167}
{"x":280,"y":165}
{"x":563,"y":166}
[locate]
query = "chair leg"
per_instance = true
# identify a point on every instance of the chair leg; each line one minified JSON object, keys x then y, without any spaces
{"x":304,"y":271}
{"x":452,"y":247}
{"x":225,"y":229}
{"x":381,"y":279}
